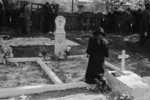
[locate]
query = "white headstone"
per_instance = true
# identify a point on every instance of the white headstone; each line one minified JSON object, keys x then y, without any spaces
{"x":123,"y":57}
{"x":60,"y":36}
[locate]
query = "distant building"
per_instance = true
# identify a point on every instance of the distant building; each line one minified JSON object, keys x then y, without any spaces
{"x":95,"y":6}
{"x":74,"y":5}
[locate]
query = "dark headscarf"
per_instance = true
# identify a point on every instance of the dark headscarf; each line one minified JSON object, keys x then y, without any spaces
{"x":99,"y":31}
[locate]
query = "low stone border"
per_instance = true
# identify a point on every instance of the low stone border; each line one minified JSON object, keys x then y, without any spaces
{"x":49,"y":72}
{"x":7,"y":92}
{"x":59,"y":85}
{"x":10,"y":92}
{"x":46,"y":69}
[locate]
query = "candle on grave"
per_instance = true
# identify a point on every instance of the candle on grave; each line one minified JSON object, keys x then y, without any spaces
{"x":123,"y":56}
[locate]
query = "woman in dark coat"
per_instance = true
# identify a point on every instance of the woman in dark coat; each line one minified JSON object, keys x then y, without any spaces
{"x":97,"y":51}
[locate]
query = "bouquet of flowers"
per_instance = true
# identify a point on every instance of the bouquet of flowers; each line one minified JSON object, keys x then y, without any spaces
{"x":115,"y":95}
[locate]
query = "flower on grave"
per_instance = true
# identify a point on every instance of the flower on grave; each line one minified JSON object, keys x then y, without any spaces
{"x":43,"y":53}
{"x":6,"y":50}
{"x":67,"y":50}
{"x":122,"y":98}
{"x":22,"y":97}
{"x":125,"y":96}
{"x":133,"y":38}
{"x":115,"y":95}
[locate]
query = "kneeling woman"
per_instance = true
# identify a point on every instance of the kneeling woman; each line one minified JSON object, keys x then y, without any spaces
{"x":97,"y":50}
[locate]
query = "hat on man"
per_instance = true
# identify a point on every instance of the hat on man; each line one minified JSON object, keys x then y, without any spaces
{"x":99,"y":31}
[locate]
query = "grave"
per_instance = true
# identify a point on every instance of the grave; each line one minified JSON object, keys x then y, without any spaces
{"x":15,"y":91}
{"x":128,"y":82}
{"x":22,"y":74}
{"x":60,"y":46}
{"x":60,"y":36}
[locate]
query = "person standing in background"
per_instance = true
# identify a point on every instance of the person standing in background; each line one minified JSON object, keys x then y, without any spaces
{"x":26,"y":17}
{"x":47,"y":17}
{"x":1,"y":15}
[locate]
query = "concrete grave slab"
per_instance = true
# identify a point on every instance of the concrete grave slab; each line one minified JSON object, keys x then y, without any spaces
{"x":130,"y":83}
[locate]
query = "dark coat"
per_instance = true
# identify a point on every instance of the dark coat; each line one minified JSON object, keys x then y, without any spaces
{"x":97,"y":51}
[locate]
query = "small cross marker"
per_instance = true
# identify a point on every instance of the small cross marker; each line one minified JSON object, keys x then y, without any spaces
{"x":60,"y":22}
{"x":123,"y":57}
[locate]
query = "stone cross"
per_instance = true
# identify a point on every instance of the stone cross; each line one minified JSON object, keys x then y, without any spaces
{"x":60,"y":36}
{"x":123,"y":57}
{"x":60,"y":22}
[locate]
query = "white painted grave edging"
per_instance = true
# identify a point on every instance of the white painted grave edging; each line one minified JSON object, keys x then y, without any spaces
{"x":49,"y":72}
{"x":46,"y":69}
{"x":23,"y":59}
{"x":10,"y":92}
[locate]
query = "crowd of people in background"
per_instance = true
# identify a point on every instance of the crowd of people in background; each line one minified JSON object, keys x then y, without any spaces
{"x":130,"y":21}
{"x":18,"y":16}
{"x":50,"y":13}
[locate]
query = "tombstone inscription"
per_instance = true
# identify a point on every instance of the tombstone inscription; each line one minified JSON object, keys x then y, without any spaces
{"x":60,"y":36}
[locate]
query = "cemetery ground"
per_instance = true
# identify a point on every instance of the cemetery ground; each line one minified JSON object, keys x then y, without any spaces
{"x":74,"y":68}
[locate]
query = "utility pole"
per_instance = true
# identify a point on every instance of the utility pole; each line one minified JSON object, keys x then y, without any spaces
{"x":72,"y":5}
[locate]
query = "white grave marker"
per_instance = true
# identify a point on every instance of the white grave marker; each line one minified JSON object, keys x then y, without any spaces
{"x":123,"y":57}
{"x":60,"y":36}
{"x":128,"y":82}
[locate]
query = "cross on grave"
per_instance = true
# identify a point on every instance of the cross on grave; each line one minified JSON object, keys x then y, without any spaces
{"x":60,"y":36}
{"x":123,"y":57}
{"x":60,"y":22}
